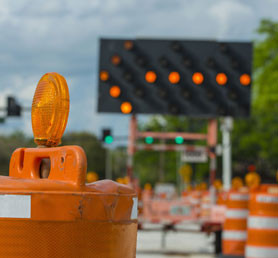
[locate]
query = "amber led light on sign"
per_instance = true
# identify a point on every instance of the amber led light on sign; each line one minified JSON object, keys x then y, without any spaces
{"x":174,"y":77}
{"x":198,"y":78}
{"x":50,"y":110}
{"x":126,"y":107}
{"x":150,"y":76}
{"x":104,"y":76}
{"x":116,"y":60}
{"x":128,"y":45}
{"x":115,"y":91}
{"x":221,"y":78}
{"x":245,"y":79}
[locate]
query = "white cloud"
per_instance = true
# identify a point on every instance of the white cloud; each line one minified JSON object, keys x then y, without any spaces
{"x":235,"y":18}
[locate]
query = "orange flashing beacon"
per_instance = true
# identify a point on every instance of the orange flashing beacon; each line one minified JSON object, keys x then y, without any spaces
{"x":56,"y":214}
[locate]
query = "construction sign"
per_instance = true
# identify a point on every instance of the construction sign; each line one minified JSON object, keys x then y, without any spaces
{"x":186,"y":173}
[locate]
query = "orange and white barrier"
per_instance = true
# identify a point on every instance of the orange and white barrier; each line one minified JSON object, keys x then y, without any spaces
{"x":167,"y":211}
{"x":194,"y":198}
{"x":62,"y":216}
{"x":263,"y":225}
{"x":47,"y":209}
{"x":218,"y":214}
{"x":234,"y":233}
{"x":222,"y":198}
{"x":206,"y":204}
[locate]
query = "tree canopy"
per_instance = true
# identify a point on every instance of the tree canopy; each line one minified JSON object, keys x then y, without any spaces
{"x":255,"y":140}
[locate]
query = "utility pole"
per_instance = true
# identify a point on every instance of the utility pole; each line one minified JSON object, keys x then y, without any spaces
{"x":108,"y":165}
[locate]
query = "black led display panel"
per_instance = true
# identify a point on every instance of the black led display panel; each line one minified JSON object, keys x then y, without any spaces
{"x":180,"y":77}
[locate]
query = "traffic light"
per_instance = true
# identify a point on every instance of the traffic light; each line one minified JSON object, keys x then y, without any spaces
{"x":179,"y":140}
{"x":107,"y":136}
{"x":179,"y":77}
{"x":149,"y":140}
{"x":13,"y":108}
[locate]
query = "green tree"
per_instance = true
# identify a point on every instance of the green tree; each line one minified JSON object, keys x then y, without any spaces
{"x":8,"y":144}
{"x":255,"y":140}
{"x":94,"y":151}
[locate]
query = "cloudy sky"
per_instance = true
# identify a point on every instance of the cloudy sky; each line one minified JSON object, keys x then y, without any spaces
{"x":63,"y":35}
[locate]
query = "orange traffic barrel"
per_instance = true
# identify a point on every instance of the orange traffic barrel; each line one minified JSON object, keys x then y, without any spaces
{"x":222,"y":198}
{"x":262,"y":238}
{"x":47,"y":209}
{"x":234,"y":228}
{"x":61,"y":216}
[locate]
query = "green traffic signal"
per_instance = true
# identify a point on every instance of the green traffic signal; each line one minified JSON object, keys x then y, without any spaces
{"x":108,"y":139}
{"x":179,"y":140}
{"x":149,"y":140}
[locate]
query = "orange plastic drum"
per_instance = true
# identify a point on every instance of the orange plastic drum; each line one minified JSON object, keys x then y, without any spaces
{"x":235,"y":225}
{"x":262,"y":240}
{"x":61,"y":216}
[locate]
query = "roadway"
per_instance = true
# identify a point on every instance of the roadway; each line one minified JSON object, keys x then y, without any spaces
{"x":177,"y":244}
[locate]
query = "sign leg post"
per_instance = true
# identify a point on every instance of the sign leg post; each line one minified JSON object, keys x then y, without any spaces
{"x":131,"y":146}
{"x":212,"y":142}
{"x":226,"y":127}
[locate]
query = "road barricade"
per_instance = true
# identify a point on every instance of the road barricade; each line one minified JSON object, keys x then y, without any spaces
{"x":262,"y":240}
{"x":206,"y":205}
{"x":234,"y":229}
{"x":194,"y":198}
{"x":222,"y":198}
{"x":167,"y":211}
{"x":61,"y":216}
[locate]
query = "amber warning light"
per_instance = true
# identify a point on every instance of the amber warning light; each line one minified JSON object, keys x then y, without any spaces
{"x":116,"y":60}
{"x":104,"y":76}
{"x":126,"y":107}
{"x":128,"y":45}
{"x":115,"y":91}
{"x":198,"y":78}
{"x":50,"y":110}
{"x":221,"y":78}
{"x":150,"y":76}
{"x":245,"y":79}
{"x":174,"y":77}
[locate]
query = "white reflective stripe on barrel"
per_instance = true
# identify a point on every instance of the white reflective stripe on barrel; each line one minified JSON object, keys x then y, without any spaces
{"x":238,"y":235}
{"x":237,"y":213}
{"x":134,"y":211}
{"x":239,"y":197}
{"x":256,"y":222}
{"x":266,"y":198}
{"x":260,"y":252}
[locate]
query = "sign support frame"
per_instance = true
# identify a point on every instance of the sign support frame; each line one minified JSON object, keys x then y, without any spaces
{"x":210,"y":137}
